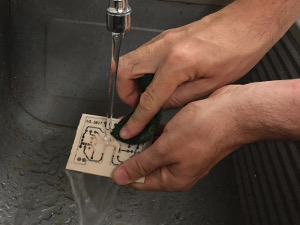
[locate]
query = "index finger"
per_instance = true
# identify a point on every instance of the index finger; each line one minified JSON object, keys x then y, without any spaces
{"x":154,"y":97}
{"x":133,"y":65}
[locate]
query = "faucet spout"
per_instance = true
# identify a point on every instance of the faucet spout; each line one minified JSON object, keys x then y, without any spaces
{"x":118,"y":16}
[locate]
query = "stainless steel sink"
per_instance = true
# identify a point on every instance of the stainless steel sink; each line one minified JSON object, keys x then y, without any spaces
{"x":54,"y":63}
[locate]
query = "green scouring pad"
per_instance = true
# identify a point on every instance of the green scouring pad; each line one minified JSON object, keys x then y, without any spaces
{"x":148,"y":133}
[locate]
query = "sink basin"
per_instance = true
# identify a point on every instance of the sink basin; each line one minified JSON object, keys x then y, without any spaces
{"x":54,"y":64}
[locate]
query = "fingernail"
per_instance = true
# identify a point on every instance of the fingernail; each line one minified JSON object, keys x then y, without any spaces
{"x":121,"y":177}
{"x":124,"y":133}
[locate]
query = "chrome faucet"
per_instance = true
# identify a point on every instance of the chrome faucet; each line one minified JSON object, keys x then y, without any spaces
{"x":118,"y":16}
{"x":118,"y":21}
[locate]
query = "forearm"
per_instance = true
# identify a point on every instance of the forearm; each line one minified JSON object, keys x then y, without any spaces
{"x":269,"y":17}
{"x":258,"y":24}
{"x":271,"y":110}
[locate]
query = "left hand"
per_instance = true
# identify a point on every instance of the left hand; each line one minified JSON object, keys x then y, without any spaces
{"x":196,"y":139}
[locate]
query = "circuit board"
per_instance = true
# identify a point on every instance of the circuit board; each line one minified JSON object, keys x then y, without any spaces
{"x":90,"y":154}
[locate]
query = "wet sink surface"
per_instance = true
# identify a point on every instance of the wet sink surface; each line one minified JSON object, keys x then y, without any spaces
{"x":34,"y":188}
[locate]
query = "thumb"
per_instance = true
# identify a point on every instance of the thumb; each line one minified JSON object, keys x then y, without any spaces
{"x":140,"y":165}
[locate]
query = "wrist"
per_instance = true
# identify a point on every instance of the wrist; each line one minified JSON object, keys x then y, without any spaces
{"x":270,"y":110}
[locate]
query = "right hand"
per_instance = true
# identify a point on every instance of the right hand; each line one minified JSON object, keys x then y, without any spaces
{"x":192,"y":61}
{"x":193,"y":142}
{"x":205,"y":131}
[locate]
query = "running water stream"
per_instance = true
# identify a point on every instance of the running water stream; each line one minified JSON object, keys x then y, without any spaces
{"x":116,"y":47}
{"x":97,"y":197}
{"x":94,"y":195}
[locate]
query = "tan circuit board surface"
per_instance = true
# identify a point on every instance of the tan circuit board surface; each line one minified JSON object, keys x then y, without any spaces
{"x":91,"y":155}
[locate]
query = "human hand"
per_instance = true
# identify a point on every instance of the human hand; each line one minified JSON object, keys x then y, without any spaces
{"x":194,"y":60}
{"x":197,"y":138}
{"x":205,"y":131}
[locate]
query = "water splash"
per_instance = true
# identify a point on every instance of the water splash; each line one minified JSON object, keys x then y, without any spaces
{"x":94,"y":196}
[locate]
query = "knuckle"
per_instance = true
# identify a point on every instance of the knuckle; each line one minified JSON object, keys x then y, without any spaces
{"x":192,"y":108}
{"x":169,"y":37}
{"x":162,"y":152}
{"x":169,"y":129}
{"x":174,"y":102}
{"x":166,"y":184}
{"x":171,"y":183}
{"x":165,"y":32}
{"x":176,"y":56}
{"x":141,"y":169}
{"x":147,"y":53}
{"x":135,"y":119}
{"x":129,"y":62}
{"x":125,"y":67}
{"x":147,"y":101}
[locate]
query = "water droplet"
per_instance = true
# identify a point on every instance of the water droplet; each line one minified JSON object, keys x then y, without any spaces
{"x":69,"y":195}
{"x":177,"y":215}
{"x":52,"y":181}
{"x":118,"y":215}
{"x":51,"y":200}
{"x":61,"y":175}
{"x":46,"y":214}
{"x":22,"y":173}
{"x":107,"y":139}
{"x":7,"y":207}
{"x":40,"y":169}
{"x":32,"y":186}
{"x":46,"y":161}
{"x":69,"y":220}
{"x":72,"y":208}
